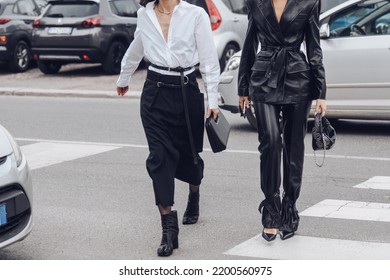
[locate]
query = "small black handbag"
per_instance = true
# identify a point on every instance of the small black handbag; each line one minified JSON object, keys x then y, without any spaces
{"x":217,"y":132}
{"x":323,"y":136}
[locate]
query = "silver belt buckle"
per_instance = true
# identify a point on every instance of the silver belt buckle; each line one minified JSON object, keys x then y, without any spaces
{"x":186,"y":80}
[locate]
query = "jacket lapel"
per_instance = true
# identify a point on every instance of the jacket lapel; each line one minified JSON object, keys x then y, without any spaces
{"x":293,"y":8}
{"x":268,"y":12}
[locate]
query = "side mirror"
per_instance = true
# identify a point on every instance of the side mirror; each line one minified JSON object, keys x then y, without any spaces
{"x":324,"y":31}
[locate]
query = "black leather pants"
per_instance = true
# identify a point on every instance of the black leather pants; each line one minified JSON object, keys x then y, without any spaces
{"x":281,"y":128}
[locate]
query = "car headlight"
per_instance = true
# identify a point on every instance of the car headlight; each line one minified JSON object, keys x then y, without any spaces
{"x":17,"y":152}
{"x":233,"y":63}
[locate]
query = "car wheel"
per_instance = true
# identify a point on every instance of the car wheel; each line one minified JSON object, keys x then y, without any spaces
{"x":112,"y":63}
{"x":21,"y":57}
{"x":227,"y":53}
{"x":250,"y":116}
{"x":49,"y":67}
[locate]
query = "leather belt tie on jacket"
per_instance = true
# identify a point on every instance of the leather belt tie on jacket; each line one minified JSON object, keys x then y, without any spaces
{"x":277,"y":68}
{"x":183,"y":81}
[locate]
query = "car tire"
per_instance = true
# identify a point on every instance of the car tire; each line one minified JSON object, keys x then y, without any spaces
{"x":227,"y":53}
{"x":112,"y":63}
{"x":251,"y":117}
{"x":21,"y":57}
{"x":49,"y":67}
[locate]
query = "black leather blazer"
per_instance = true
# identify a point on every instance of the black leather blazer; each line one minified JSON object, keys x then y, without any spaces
{"x":280,"y":73}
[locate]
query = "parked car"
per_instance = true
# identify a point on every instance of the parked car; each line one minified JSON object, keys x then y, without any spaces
{"x":86,"y":31}
{"x":229,"y":20}
{"x":355,"y":39}
{"x":16,"y":18}
{"x":16,"y":220}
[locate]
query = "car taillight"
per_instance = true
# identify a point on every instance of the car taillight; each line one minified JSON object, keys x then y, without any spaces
{"x":215,"y":17}
{"x":36,"y":23}
{"x":4,"y":20}
{"x":91,"y":22}
{"x":3,"y":40}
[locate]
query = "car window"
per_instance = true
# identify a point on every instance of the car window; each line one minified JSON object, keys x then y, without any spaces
{"x":346,"y":22}
{"x":25,"y":7}
{"x":124,"y":8}
{"x":72,"y":10}
{"x":236,"y":6}
{"x":41,"y":4}
{"x":382,"y":24}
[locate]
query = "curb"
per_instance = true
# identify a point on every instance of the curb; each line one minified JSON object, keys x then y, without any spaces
{"x":65,"y":93}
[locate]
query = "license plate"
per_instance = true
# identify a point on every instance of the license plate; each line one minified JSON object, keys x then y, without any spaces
{"x":3,"y":214}
{"x":59,"y":30}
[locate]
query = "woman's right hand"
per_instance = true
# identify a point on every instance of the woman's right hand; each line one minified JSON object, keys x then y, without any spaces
{"x":122,"y":90}
{"x":244,"y":103}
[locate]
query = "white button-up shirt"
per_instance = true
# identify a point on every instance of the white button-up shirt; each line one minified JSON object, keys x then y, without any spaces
{"x":190,"y":41}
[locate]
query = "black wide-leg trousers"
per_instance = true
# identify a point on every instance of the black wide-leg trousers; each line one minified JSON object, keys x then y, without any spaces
{"x":281,"y":128}
{"x":164,"y":122}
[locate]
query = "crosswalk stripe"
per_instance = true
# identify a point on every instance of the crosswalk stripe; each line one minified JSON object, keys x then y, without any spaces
{"x":45,"y":153}
{"x":205,"y":149}
{"x":311,"y":248}
{"x":344,"y":209}
{"x":377,"y":183}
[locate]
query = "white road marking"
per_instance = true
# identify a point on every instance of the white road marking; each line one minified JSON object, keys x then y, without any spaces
{"x":311,"y":248}
{"x":377,"y":183}
{"x":45,"y":153}
{"x":206,"y":149}
{"x":355,"y":210}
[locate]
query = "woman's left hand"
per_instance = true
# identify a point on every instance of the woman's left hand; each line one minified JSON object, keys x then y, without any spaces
{"x":215,"y":113}
{"x":320,"y":107}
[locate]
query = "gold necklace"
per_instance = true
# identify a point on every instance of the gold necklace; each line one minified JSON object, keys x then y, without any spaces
{"x":163,"y":12}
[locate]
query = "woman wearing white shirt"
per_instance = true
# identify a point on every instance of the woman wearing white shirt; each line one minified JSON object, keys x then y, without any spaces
{"x":174,"y":36}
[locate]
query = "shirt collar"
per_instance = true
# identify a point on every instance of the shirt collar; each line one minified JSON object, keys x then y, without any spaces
{"x":149,"y":6}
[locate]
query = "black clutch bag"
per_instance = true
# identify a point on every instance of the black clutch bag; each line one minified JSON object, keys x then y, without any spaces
{"x":323,"y":136}
{"x":217,"y":132}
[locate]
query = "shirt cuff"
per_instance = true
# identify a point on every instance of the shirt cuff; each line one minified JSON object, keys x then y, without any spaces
{"x":123,"y":81}
{"x":213,"y":101}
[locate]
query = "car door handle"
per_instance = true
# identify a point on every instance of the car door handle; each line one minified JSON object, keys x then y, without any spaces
{"x":235,"y":20}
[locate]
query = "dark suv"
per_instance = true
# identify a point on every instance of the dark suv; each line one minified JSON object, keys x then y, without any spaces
{"x":16,"y":18}
{"x":88,"y":31}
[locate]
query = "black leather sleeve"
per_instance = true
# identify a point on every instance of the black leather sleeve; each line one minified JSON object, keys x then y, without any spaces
{"x":314,"y":53}
{"x":248,"y":55}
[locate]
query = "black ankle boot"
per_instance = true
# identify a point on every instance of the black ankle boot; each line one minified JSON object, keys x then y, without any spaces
{"x":191,"y":214}
{"x":170,"y":232}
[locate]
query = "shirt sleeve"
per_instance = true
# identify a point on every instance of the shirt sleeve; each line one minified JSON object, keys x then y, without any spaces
{"x":131,"y":59}
{"x":208,"y":58}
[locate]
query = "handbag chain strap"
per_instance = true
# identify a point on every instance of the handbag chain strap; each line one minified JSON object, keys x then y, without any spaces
{"x":324,"y":143}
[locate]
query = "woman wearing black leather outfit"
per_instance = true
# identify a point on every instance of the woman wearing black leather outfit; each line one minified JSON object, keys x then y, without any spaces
{"x":281,"y":83}
{"x":174,"y":36}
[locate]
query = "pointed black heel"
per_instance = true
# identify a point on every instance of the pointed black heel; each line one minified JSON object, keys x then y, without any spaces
{"x":290,"y":218}
{"x":191,"y":214}
{"x":285,"y":234}
{"x":170,"y":232}
{"x":268,"y":236}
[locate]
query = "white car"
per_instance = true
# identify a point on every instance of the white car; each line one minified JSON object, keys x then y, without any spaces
{"x":15,"y":192}
{"x":229,"y":20}
{"x":355,"y":39}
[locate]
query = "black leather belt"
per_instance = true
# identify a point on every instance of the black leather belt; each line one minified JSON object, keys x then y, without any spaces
{"x":173,"y":69}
